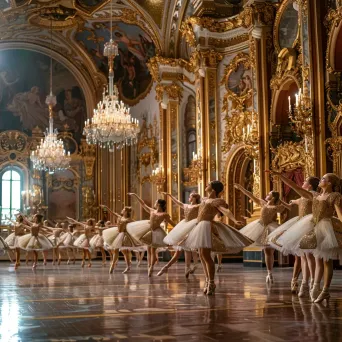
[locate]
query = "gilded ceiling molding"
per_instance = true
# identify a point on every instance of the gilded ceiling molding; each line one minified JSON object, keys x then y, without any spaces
{"x":174,"y":91}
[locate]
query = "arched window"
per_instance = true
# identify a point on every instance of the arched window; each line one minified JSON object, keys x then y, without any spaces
{"x":192,"y":149}
{"x":10,"y":188}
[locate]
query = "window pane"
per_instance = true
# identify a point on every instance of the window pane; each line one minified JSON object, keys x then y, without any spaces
{"x":6,"y":175}
{"x":15,"y":175}
{"x":5,"y":196}
{"x":5,"y":213}
{"x":16,"y":195}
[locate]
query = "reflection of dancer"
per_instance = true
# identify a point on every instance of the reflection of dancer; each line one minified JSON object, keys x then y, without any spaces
{"x":150,"y":232}
{"x":306,"y":262}
{"x":180,"y":231}
{"x":259,"y":230}
{"x":319,"y":233}
{"x":210,"y":236}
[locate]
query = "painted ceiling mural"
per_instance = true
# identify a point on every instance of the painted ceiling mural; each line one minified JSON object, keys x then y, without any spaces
{"x":24,"y":85}
{"x":135,"y":48}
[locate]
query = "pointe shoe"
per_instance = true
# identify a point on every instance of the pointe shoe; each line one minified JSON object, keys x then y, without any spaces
{"x":89,"y":265}
{"x":111,"y":268}
{"x":194,"y":268}
{"x":83,"y":263}
{"x":218,"y":268}
{"x":324,"y":295}
{"x":34,"y":266}
{"x":269,"y":279}
{"x":16,"y":265}
{"x":314,"y":293}
{"x":68,"y":262}
{"x":294,"y":286}
{"x":187,"y":272}
{"x":150,"y":271}
{"x":45,"y":263}
{"x":205,"y":289}
{"x":303,"y":291}
{"x":128,"y":268}
{"x":162,"y":271}
{"x":211,"y":288}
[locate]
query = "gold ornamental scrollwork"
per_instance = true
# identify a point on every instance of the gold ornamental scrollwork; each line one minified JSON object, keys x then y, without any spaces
{"x":290,"y":156}
{"x":238,"y":96}
{"x":88,"y":153}
{"x":14,"y":141}
{"x":174,"y":91}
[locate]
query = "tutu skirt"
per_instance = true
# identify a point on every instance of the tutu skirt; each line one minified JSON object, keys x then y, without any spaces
{"x":56,"y":241}
{"x":29,"y":242}
{"x":322,"y":240}
{"x":258,"y":233}
{"x":138,"y":229}
{"x":218,"y":236}
{"x":12,"y":241}
{"x":179,"y":232}
{"x":82,"y":242}
{"x":277,"y":233}
{"x":154,"y":238}
{"x":124,"y":241}
{"x":109,"y":235}
{"x":67,"y":240}
{"x":96,"y":241}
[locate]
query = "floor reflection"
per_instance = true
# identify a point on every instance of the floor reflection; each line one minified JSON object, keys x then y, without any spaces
{"x":73,"y":304}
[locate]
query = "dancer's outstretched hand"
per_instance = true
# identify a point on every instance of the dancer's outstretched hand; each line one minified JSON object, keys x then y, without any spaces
{"x":239,"y":223}
{"x":131,"y":194}
{"x":237,"y":186}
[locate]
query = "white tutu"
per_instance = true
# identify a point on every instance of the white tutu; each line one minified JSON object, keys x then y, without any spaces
{"x":109,"y":235}
{"x":124,"y":241}
{"x":12,"y":241}
{"x":217,"y":236}
{"x":82,"y":242}
{"x":96,"y":241}
{"x":290,"y":240}
{"x":277,"y":233}
{"x":29,"y":242}
{"x":55,"y":240}
{"x":138,"y":229}
{"x":154,"y":238}
{"x":179,"y":232}
{"x":67,"y":240}
{"x":258,"y":233}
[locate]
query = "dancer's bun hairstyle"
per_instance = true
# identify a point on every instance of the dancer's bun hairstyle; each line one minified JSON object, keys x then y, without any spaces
{"x":217,"y":186}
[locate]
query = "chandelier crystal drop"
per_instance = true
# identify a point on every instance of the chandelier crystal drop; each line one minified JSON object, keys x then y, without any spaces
{"x":111,"y":125}
{"x":50,"y":154}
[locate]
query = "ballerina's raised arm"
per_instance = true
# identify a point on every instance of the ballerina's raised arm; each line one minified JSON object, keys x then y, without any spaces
{"x":174,"y":200}
{"x":299,"y":190}
{"x":250,"y":195}
{"x":141,"y":201}
{"x":111,"y":211}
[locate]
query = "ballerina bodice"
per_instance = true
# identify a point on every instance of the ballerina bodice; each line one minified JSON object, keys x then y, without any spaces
{"x":19,"y":229}
{"x":208,"y":209}
{"x":156,"y":219}
{"x":35,"y":228}
{"x":88,"y":230}
{"x":269,"y":213}
{"x":191,"y":212}
{"x":324,"y":209}
{"x":304,"y":207}
{"x":122,"y":224}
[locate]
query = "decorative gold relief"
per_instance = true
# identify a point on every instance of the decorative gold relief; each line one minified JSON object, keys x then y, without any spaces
{"x":14,"y":141}
{"x":239,"y":90}
{"x":174,"y":91}
{"x":88,"y":153}
{"x":289,"y":156}
{"x":57,"y":183}
{"x":193,"y":173}
{"x":88,"y":208}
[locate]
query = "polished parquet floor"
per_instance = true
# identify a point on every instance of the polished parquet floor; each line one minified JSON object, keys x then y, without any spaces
{"x":67,"y":303}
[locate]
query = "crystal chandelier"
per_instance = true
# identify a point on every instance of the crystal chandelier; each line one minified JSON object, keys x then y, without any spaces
{"x":112,"y":124}
{"x":50,"y":154}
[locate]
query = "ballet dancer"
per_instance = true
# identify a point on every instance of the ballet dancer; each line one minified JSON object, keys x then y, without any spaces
{"x":83,"y":241}
{"x":67,"y":240}
{"x":119,"y":240}
{"x":96,"y":242}
{"x":35,"y":241}
{"x":149,"y":232}
{"x":259,"y":230}
{"x":209,"y":236}
{"x":180,"y":231}
{"x":305,"y":262}
{"x":12,"y":239}
{"x":320,"y":233}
